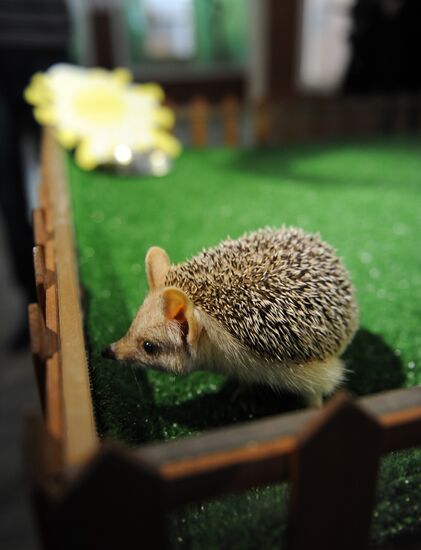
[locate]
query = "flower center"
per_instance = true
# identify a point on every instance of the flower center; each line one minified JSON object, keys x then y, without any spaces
{"x":99,"y":105}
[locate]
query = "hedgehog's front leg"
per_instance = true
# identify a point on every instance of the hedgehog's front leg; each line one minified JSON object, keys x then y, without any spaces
{"x":314,"y":399}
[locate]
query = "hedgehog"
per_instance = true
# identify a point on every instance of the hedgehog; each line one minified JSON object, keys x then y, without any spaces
{"x":273,"y":307}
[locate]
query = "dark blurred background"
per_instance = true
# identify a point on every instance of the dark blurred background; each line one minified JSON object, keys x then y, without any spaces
{"x":333,"y":57}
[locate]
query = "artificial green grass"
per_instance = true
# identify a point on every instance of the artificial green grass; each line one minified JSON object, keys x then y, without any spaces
{"x":364,"y":198}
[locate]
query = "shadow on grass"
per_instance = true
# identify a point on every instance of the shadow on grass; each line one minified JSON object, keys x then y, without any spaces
{"x":233,"y":403}
{"x":123,"y":398}
{"x":333,"y":163}
{"x":372,"y":365}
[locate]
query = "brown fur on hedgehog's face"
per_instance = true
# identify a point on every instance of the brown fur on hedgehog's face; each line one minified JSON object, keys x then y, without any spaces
{"x":165,"y":332}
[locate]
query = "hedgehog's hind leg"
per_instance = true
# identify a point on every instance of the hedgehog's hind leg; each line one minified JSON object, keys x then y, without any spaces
{"x":321,"y":378}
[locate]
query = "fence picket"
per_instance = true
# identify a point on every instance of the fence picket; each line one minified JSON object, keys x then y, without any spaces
{"x":199,"y":117}
{"x":111,"y":497}
{"x":230,"y":115}
{"x":333,"y":472}
{"x":40,"y":276}
{"x":38,"y":349}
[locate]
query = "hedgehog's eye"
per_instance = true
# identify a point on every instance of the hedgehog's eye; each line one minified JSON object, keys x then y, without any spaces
{"x":150,"y":347}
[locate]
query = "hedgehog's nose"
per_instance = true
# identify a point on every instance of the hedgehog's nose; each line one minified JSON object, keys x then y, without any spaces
{"x":108,"y":352}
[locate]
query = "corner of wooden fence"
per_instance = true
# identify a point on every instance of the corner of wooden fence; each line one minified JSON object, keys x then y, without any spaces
{"x":108,"y":499}
{"x":333,"y":474}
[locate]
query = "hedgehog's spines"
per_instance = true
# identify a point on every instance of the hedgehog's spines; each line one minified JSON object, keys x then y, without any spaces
{"x":283,"y":293}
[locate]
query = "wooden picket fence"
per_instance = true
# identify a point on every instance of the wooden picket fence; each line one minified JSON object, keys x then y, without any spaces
{"x":99,"y":494}
{"x":233,"y":123}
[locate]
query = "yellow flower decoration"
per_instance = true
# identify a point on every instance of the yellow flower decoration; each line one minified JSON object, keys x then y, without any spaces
{"x":102,"y":114}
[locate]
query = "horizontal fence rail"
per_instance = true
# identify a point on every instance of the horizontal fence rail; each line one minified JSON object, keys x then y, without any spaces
{"x":259,"y":451}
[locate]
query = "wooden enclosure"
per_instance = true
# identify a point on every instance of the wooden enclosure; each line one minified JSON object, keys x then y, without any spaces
{"x":90,"y":493}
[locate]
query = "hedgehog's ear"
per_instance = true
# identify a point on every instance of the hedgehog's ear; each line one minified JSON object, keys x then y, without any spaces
{"x":179,"y":307}
{"x":157,"y":266}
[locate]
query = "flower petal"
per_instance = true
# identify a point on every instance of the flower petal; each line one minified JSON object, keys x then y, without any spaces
{"x":84,"y":157}
{"x":45,"y":115}
{"x":66,"y":138}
